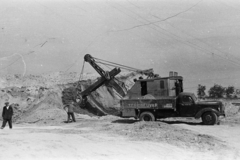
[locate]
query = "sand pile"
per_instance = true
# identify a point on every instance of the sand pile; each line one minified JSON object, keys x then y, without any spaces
{"x":232,"y":111}
{"x":161,"y":132}
{"x":33,"y":104}
{"x":40,"y":99}
{"x":48,"y":109}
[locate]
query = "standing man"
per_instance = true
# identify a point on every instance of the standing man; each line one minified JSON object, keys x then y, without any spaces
{"x":7,"y":114}
{"x":177,"y":89}
{"x":70,"y":112}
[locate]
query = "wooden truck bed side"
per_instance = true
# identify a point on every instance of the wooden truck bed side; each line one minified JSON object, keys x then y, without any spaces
{"x":129,"y":106}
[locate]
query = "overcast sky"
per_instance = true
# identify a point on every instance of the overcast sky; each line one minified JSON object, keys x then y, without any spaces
{"x":197,"y":38}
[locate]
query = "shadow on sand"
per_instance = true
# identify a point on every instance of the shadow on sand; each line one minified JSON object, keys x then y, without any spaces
{"x":130,"y":121}
{"x":180,"y":122}
{"x":126,"y":121}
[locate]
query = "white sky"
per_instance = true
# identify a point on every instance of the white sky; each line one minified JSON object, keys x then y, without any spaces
{"x":197,"y":38}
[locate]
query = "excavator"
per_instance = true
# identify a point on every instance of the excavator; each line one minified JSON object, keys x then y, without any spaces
{"x":107,"y":78}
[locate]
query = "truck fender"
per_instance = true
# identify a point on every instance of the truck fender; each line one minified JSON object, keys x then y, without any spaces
{"x":199,"y":113}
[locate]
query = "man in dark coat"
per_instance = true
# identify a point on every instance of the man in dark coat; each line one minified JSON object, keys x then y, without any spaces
{"x":70,"y":111}
{"x":7,"y":114}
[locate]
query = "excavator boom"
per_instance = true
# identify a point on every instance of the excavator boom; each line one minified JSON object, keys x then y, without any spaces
{"x":107,"y":78}
{"x":99,"y":83}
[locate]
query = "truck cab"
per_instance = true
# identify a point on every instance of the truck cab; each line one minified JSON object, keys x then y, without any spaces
{"x":150,"y":99}
{"x":189,"y":106}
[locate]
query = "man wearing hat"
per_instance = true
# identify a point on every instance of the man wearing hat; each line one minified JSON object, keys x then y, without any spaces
{"x":7,"y":115}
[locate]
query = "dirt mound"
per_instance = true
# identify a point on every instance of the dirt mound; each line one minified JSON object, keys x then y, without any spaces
{"x":155,"y":132}
{"x":232,"y":113}
{"x":41,"y":99}
{"x":34,"y":104}
{"x":231,"y":109}
{"x":178,"y":136}
{"x":46,"y":110}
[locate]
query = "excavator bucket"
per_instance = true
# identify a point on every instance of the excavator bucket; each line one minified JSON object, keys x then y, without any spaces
{"x":117,"y":87}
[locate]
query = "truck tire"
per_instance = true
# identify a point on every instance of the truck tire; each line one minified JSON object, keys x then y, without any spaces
{"x":209,"y":118}
{"x":147,"y":116}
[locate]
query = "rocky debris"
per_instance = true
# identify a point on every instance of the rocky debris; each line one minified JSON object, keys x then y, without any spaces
{"x":154,"y":132}
{"x":162,"y":132}
{"x":232,"y":110}
{"x":45,"y":110}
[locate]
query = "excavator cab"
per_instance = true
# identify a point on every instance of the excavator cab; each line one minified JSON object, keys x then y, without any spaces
{"x":156,"y":87}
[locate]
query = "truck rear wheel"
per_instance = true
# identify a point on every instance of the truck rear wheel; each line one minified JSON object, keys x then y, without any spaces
{"x":209,"y":118}
{"x":147,"y":116}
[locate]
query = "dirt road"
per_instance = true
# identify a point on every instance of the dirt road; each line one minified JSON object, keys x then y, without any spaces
{"x":113,"y":138}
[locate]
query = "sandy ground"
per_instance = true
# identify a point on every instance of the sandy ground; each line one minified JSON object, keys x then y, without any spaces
{"x":40,"y":132}
{"x":229,"y":134}
{"x":115,"y":138}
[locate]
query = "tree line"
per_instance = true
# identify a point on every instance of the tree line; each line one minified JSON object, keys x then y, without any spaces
{"x":218,"y":91}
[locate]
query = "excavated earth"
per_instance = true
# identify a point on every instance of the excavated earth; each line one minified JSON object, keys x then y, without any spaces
{"x":40,"y":130}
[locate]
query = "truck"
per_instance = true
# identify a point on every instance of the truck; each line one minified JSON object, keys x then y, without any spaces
{"x":163,"y":97}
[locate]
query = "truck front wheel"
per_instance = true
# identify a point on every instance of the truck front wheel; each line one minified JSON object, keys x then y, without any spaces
{"x":147,"y":116}
{"x":209,"y":118}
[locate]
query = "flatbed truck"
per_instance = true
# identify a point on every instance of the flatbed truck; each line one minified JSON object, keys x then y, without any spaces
{"x":151,"y":99}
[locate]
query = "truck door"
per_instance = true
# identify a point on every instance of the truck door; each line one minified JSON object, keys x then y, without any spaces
{"x":187,"y":106}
